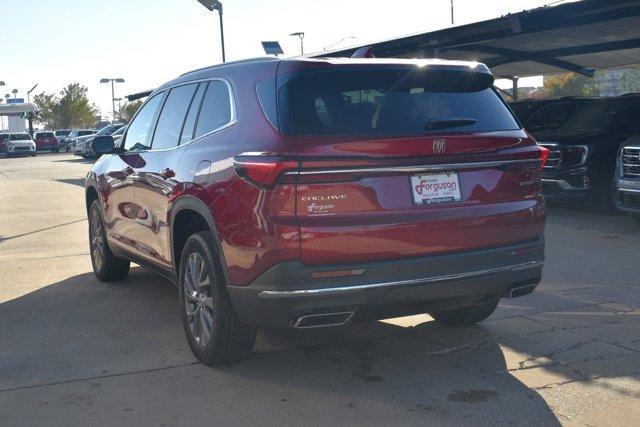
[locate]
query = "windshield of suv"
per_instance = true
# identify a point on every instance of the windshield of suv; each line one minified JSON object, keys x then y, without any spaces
{"x":20,"y":137}
{"x":108,"y":130}
{"x":44,"y":135}
{"x":119,"y":131}
{"x":554,"y":115}
{"x":62,"y":132}
{"x":392,"y":102}
{"x":85,"y":132}
{"x":611,"y":114}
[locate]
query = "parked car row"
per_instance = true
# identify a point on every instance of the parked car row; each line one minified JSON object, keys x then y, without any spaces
{"x":13,"y":143}
{"x":592,"y":145}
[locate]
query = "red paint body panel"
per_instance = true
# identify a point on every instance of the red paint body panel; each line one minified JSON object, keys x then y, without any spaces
{"x":259,"y":227}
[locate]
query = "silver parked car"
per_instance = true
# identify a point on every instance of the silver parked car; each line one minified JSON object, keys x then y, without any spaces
{"x":20,"y":144}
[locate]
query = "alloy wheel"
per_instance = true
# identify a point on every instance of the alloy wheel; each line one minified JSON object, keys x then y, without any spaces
{"x":97,"y":240}
{"x":198,"y":300}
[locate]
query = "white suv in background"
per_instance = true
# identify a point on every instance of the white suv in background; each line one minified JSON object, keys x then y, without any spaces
{"x":20,"y":143}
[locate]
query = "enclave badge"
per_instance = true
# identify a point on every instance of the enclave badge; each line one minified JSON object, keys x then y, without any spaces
{"x":439,"y":145}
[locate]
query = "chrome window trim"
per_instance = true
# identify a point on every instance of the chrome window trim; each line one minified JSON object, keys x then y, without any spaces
{"x":166,"y":90}
{"x":321,"y":292}
{"x":416,"y":169}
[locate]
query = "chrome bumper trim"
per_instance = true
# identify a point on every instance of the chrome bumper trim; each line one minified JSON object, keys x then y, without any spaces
{"x":423,"y":281}
{"x":416,"y":169}
{"x":564,"y":185}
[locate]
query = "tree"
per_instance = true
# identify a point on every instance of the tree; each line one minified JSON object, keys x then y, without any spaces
{"x":72,"y":109}
{"x":569,"y":84}
{"x":45,"y":104}
{"x":128,"y":110}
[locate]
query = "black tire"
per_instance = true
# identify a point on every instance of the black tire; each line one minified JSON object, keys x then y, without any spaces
{"x":465,"y":316}
{"x":106,"y":266}
{"x":57,"y":150}
{"x":225,"y":338}
{"x":606,"y":192}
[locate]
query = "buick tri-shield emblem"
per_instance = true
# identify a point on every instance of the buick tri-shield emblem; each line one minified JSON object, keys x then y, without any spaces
{"x":439,"y":145}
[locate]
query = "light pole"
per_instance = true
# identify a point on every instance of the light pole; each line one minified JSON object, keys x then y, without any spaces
{"x":29,"y":92}
{"x":119,"y":108}
{"x":299,"y":34}
{"x":113,"y":94}
{"x":451,"y":12}
{"x":15,"y":93}
{"x":216,"y":5}
{"x":2,"y":122}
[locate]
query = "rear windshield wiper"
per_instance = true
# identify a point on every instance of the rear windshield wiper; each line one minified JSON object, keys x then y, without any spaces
{"x":434,"y":124}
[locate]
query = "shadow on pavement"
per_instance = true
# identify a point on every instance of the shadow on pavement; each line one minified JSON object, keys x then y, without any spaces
{"x":74,"y":159}
{"x":81,"y":329}
{"x":73,"y":181}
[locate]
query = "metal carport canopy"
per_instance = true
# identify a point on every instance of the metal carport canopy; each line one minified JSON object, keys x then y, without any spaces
{"x":580,"y":36}
{"x":16,"y":109}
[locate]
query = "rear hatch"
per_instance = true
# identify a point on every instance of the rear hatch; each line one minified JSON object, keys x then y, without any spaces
{"x":406,"y":160}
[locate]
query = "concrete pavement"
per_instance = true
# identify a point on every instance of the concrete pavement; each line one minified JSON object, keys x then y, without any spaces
{"x":74,"y":350}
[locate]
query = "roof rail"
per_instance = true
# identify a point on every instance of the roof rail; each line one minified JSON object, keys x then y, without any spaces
{"x":261,"y":58}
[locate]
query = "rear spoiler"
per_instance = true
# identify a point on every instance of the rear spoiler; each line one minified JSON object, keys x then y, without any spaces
{"x":139,"y":95}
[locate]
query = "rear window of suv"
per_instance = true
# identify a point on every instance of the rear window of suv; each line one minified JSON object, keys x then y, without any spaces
{"x":44,"y":135}
{"x":19,"y":137}
{"x":391,"y":102}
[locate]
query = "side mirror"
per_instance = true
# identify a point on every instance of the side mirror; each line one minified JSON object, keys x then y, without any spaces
{"x":103,"y":144}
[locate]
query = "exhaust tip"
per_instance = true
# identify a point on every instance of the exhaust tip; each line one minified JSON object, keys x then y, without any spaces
{"x":322,"y":320}
{"x":518,"y":291}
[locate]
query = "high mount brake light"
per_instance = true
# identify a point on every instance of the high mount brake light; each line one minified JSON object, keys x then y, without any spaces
{"x":264,"y":171}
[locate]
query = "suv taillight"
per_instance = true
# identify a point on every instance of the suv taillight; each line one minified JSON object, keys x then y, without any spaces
{"x":544,"y":156}
{"x":264,"y":171}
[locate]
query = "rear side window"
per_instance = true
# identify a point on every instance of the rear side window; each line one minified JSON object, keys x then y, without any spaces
{"x":216,"y":108}
{"x":172,"y":117}
{"x":138,"y":131}
{"x":192,"y":115}
{"x":384,"y":102}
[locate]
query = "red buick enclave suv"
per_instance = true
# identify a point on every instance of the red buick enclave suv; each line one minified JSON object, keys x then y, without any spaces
{"x":314,"y":192}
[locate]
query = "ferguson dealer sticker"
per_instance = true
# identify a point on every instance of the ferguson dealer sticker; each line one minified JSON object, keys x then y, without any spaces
{"x":322,"y":205}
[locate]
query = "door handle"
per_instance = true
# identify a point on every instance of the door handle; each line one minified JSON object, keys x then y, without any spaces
{"x":168,"y":173}
{"x":127,"y":171}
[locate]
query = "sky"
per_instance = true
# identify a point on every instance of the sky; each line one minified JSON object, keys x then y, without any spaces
{"x":147,"y":42}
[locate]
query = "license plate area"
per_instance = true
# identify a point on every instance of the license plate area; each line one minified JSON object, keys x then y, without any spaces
{"x":435,"y":188}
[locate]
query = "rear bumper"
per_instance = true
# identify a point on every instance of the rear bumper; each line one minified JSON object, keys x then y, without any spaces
{"x":20,"y":151}
{"x":287,"y":292}
{"x":628,"y":199}
{"x":574,"y":183}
